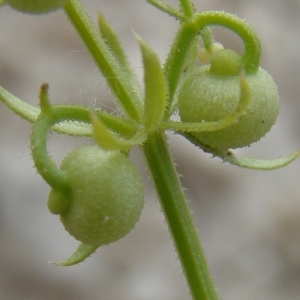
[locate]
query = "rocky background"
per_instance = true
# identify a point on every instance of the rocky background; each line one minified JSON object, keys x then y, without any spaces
{"x":249,"y":221}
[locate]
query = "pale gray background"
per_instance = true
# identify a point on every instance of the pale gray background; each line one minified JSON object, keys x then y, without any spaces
{"x":250,"y":221}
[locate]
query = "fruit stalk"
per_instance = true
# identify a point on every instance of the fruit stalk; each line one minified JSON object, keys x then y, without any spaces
{"x":178,"y":217}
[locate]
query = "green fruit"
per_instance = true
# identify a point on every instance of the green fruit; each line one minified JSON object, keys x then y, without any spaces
{"x":225,"y":62}
{"x":36,"y":6}
{"x":212,"y":92}
{"x":106,"y":196}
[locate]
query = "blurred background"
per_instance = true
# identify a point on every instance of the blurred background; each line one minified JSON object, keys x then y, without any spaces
{"x":249,"y":221}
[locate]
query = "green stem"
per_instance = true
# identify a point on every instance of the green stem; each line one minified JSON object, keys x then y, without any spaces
{"x":207,"y":38}
{"x":178,"y":217}
{"x":176,"y":58}
{"x":49,"y":116}
{"x":186,"y":6}
{"x":167,"y":9}
{"x":187,"y":33}
{"x":105,"y":60}
{"x":251,"y":57}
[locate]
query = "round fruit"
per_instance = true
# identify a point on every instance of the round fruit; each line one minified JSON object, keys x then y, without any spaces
{"x":107,"y":195}
{"x":211,"y":93}
{"x":36,"y":6}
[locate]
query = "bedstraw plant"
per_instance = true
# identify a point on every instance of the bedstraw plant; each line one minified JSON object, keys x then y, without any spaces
{"x":228,"y":102}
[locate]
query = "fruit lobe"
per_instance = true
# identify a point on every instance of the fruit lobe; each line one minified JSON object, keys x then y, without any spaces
{"x":207,"y":97}
{"x":107,"y":195}
{"x":225,"y":62}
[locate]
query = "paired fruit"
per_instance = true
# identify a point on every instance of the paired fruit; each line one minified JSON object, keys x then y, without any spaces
{"x":213,"y":91}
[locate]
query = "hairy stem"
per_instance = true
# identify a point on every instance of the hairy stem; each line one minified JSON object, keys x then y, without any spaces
{"x":200,"y":25}
{"x":168,"y":9}
{"x":106,"y":62}
{"x":178,"y":217}
{"x":175,"y":61}
{"x":251,"y":57}
{"x":187,"y":8}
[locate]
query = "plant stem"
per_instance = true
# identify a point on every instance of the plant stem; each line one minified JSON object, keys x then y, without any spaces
{"x":155,"y":148}
{"x":252,"y":54}
{"x":178,"y":217}
{"x":176,"y":57}
{"x":106,"y":62}
{"x":167,"y":9}
{"x":187,"y":8}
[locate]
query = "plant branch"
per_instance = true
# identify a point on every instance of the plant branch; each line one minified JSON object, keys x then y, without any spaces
{"x":176,"y":58}
{"x":167,"y":9}
{"x":187,"y":8}
{"x":178,"y":217}
{"x":251,"y":57}
{"x":105,"y":60}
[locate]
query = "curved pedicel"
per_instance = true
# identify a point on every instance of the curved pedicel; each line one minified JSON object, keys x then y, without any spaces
{"x":97,"y":193}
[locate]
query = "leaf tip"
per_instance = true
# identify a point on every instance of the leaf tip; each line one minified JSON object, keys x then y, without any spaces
{"x":82,"y":252}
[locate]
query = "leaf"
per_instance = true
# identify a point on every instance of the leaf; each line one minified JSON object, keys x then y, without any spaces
{"x":21,"y":108}
{"x":196,"y":127}
{"x":155,"y":87}
{"x":168,"y":9}
{"x":124,"y":127}
{"x":259,"y":164}
{"x":117,"y":80}
{"x":82,"y":252}
{"x":243,"y":161}
{"x":113,"y":42}
{"x":110,"y":141}
{"x":70,"y":127}
{"x":31,"y":113}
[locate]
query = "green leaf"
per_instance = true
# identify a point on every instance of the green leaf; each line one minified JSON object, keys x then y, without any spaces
{"x":113,"y":42}
{"x":21,"y":108}
{"x":242,"y":161}
{"x":82,"y":252}
{"x":117,"y":80}
{"x":124,"y":127}
{"x":168,"y":9}
{"x":74,"y":128}
{"x":155,"y":87}
{"x":259,"y":164}
{"x":110,"y":141}
{"x":196,"y":127}
{"x":31,"y":113}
